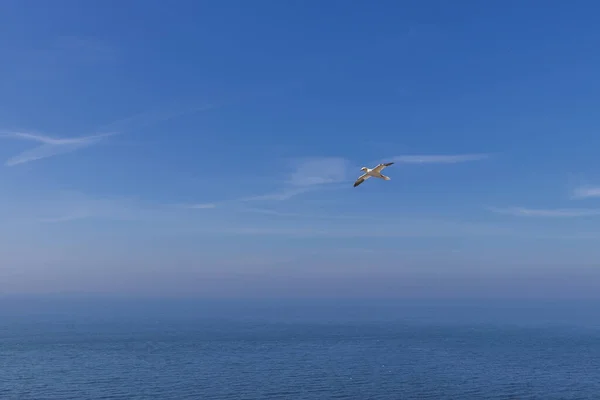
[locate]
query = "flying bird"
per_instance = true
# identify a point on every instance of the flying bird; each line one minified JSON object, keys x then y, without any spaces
{"x":375,"y":172}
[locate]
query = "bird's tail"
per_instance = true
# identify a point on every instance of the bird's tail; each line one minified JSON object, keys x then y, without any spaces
{"x":386,"y":178}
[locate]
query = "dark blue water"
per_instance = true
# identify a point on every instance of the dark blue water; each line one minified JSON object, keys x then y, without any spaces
{"x":50,"y":351}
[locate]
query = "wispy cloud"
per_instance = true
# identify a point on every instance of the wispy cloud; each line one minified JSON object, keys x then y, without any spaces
{"x":73,"y":216}
{"x":306,"y":175}
{"x":318,"y":170}
{"x":49,"y":146}
{"x":152,"y":117}
{"x":376,"y":228}
{"x":67,"y":207}
{"x":201,"y":206}
{"x":586,"y":192}
{"x":404,"y":228}
{"x":439,"y":158}
{"x":52,"y":146}
{"x":48,"y":140}
{"x":550,"y":213}
{"x":284,"y":194}
{"x":305,"y":215}
{"x":271,"y":212}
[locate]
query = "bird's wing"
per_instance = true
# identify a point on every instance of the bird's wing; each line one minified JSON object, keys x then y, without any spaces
{"x":381,"y":167}
{"x":361,"y":179}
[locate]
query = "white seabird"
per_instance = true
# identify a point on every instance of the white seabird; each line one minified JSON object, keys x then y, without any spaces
{"x":375,"y":172}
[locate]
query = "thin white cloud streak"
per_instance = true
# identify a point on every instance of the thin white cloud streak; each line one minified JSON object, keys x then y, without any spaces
{"x":308,"y":174}
{"x":415,"y":230}
{"x":149,"y":118}
{"x":73,"y":207}
{"x":51,"y":146}
{"x":318,"y":171}
{"x":251,"y":260}
{"x":271,"y":212}
{"x":586,"y":192}
{"x":284,"y":214}
{"x":201,"y":206}
{"x":73,"y":216}
{"x":549,"y":213}
{"x":439,"y":159}
{"x":49,"y":140}
{"x":282,"y":195}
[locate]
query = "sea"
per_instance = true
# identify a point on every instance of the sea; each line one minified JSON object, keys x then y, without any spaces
{"x":80,"y":348}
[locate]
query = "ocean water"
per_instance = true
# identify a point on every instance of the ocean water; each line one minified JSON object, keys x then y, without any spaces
{"x":208,"y":351}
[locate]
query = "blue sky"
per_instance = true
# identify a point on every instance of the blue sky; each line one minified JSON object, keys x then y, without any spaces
{"x":209,"y":148}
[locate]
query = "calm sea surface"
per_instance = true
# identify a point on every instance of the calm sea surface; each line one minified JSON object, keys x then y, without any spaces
{"x":96,"y":351}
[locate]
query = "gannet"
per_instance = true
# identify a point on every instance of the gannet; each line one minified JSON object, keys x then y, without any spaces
{"x":375,"y":172}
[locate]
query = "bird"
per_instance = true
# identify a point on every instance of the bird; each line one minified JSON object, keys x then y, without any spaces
{"x":375,"y":172}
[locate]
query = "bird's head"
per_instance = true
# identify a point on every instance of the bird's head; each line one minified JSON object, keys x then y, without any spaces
{"x":363,"y":169}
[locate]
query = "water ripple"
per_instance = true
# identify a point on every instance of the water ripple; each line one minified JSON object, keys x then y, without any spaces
{"x":296,"y":361}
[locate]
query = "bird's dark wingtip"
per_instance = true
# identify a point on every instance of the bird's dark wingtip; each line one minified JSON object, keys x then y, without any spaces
{"x":388,"y":164}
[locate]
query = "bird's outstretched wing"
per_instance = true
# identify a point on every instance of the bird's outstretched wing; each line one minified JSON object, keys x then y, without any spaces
{"x":361,"y":179}
{"x":381,"y":167}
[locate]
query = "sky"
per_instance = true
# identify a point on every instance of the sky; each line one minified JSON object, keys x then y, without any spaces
{"x":209,"y":148}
